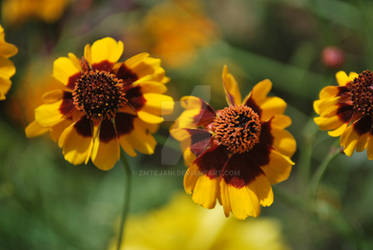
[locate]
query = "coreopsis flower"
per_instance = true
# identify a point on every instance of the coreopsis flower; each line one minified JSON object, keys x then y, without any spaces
{"x":346,"y":111}
{"x":7,"y":69}
{"x":169,"y":228}
{"x":17,"y":11}
{"x":236,"y":153}
{"x":103,"y":104}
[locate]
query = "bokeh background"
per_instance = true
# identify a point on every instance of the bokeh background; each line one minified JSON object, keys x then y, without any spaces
{"x":46,"y":203}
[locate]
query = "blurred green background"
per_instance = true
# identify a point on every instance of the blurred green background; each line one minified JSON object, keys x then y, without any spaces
{"x":46,"y":203}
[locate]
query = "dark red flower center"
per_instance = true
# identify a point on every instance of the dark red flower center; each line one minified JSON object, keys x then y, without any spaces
{"x":99,"y":94}
{"x":362,"y":93}
{"x":237,"y":128}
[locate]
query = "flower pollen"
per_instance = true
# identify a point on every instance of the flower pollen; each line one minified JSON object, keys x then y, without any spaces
{"x":237,"y":128}
{"x":99,"y":94}
{"x":362,"y":93}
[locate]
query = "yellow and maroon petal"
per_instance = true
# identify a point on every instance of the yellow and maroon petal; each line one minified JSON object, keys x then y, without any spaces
{"x":76,"y":141}
{"x":260,"y":91}
{"x":66,"y":70}
{"x":232,"y":91}
{"x":197,"y":113}
{"x":140,"y":138}
{"x":106,"y":150}
{"x":193,"y":142}
{"x":212,"y":161}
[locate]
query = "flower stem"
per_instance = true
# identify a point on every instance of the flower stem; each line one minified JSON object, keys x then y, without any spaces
{"x":127,"y":193}
{"x":315,"y":182}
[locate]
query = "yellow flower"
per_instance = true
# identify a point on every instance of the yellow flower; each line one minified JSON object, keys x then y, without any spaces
{"x":236,"y":153}
{"x":347,"y":110}
{"x":177,"y":29}
{"x":7,"y":68}
{"x":183,"y":225}
{"x":17,"y":11}
{"x":103,"y":104}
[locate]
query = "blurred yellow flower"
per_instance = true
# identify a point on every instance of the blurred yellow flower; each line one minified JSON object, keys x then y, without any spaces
{"x":17,"y":11}
{"x":7,"y":68}
{"x":347,"y":110}
{"x":176,"y":29}
{"x":103,"y":104}
{"x":183,"y":225}
{"x":235,"y":154}
{"x":28,"y":96}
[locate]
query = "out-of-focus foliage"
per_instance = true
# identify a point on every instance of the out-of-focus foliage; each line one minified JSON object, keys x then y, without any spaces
{"x":46,"y":203}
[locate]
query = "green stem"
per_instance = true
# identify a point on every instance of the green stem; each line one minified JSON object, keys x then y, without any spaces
{"x":127,"y":192}
{"x":315,"y":182}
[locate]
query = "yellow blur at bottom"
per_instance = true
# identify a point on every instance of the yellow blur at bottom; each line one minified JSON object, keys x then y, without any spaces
{"x":181,"y":224}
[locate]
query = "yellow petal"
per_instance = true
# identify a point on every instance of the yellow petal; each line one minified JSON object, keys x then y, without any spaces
{"x":205,"y":191}
{"x":48,"y":115}
{"x":362,"y":143}
{"x":353,"y":75}
{"x":263,"y":189}
{"x":7,"y":68}
{"x":224,"y":197}
{"x":190,"y":178}
{"x":328,"y":91}
{"x":283,"y":142}
{"x":34,"y":129}
{"x":149,"y":118}
{"x":370,"y":148}
{"x":281,"y":121}
{"x":127,"y":147}
{"x":244,"y":202}
{"x":338,"y":131}
{"x":326,"y":106}
{"x":279,"y":167}
{"x":75,"y":147}
{"x":350,"y":141}
{"x":260,"y":91}
{"x":5,"y":85}
{"x":105,"y":154}
{"x":140,"y":139}
{"x":52,"y":96}
{"x":328,"y":123}
{"x":151,"y":87}
{"x":6,"y":49}
{"x":64,"y":68}
{"x":106,"y":49}
{"x":342,"y":78}
{"x":272,"y":106}
{"x":158,"y":104}
{"x":232,"y":91}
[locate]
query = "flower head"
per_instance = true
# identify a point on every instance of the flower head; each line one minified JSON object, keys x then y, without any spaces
{"x":163,"y":25}
{"x":347,"y":111}
{"x":236,"y":153}
{"x":7,"y":69}
{"x":103,"y":104}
